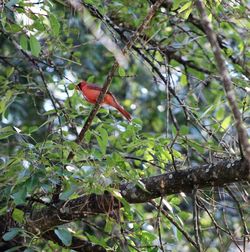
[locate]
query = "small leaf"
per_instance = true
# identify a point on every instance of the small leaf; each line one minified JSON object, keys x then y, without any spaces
{"x":184,"y":130}
{"x":35,"y":46}
{"x":24,"y":42}
{"x":55,"y":25}
{"x":220,"y":113}
{"x":91,"y":79}
{"x":109,"y":225}
{"x":20,"y":196}
{"x":187,"y":13}
{"x":64,"y":235}
{"x":176,"y":4}
{"x":210,"y":17}
{"x":159,"y":57}
{"x":175,"y":201}
{"x":226,"y":122}
{"x":185,"y":7}
{"x":121,"y":71}
{"x":147,"y":236}
{"x":102,"y":140}
{"x":6,"y":132}
{"x":71,"y":86}
{"x":32,"y":129}
{"x":38,"y":25}
{"x":183,"y":80}
{"x":6,"y":100}
{"x":9,"y":71}
{"x":18,"y":215}
{"x":11,"y":234}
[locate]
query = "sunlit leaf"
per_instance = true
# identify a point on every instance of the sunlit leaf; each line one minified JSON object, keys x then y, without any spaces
{"x":226,"y":122}
{"x":121,"y":71}
{"x":18,"y":215}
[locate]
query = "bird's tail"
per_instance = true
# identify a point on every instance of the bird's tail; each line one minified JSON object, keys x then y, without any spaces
{"x":124,"y":112}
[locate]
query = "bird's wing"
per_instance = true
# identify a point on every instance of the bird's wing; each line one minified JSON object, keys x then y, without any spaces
{"x":96,"y":87}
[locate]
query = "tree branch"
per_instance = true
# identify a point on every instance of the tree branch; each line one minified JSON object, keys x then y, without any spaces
{"x":166,"y":184}
{"x":106,"y":85}
{"x":228,"y":86}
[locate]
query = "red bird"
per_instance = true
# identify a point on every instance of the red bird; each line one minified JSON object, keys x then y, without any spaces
{"x":91,"y":93}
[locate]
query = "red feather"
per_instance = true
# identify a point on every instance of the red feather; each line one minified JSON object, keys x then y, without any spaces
{"x":91,"y":93}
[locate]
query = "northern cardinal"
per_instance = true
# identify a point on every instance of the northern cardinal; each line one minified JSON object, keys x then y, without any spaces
{"x":91,"y":93}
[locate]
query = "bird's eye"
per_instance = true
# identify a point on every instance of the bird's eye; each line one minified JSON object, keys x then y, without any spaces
{"x":77,"y":87}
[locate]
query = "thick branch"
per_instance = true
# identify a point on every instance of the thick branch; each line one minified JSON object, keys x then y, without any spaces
{"x":166,"y":184}
{"x":228,"y":86}
{"x":186,"y":180}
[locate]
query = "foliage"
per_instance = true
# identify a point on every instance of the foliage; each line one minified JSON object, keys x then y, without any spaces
{"x":171,"y":87}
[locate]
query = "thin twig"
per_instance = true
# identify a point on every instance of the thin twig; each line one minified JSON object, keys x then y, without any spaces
{"x":196,"y":221}
{"x":176,"y":224}
{"x":246,"y":233}
{"x":159,"y":225}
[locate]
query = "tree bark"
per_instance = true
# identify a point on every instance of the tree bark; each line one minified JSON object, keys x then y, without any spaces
{"x":219,"y":175}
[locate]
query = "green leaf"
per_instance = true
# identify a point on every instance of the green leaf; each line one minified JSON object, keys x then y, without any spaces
{"x":109,"y":225}
{"x":55,"y":25}
{"x":9,"y":71}
{"x":20,"y":196}
{"x":35,"y":46}
{"x":159,"y":57}
{"x":102,"y":140}
{"x":185,"y":10}
{"x":91,"y":79}
{"x":196,"y":146}
{"x":220,"y":113}
{"x":71,"y":86}
{"x":18,"y":215}
{"x":24,"y":42}
{"x":147,"y":236}
{"x":13,"y":28}
{"x":121,"y":71}
{"x":176,"y":4}
{"x":38,"y":25}
{"x":32,"y":129}
{"x":186,"y":14}
{"x":184,"y":130}
{"x":175,"y":201}
{"x":11,"y":234}
{"x":226,"y":122}
{"x":64,"y":235}
{"x":6,"y":101}
{"x":185,"y":7}
{"x":6,"y":132}
{"x":183,"y":80}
